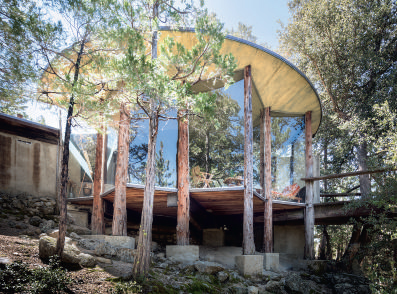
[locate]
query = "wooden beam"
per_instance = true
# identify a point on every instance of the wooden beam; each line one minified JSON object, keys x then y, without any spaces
{"x":248,"y":222}
{"x":97,"y":222}
{"x":182,"y":228}
{"x":340,"y":194}
{"x":309,"y":210}
{"x":265,"y":142}
{"x":344,"y":175}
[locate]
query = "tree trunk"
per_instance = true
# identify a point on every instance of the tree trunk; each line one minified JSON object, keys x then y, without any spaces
{"x":142,"y":257}
{"x":324,"y":245}
{"x":182,"y":228}
{"x":65,"y":160}
{"x":119,"y":226}
{"x":309,"y":210}
{"x":207,"y":152}
{"x":97,"y":222}
{"x":266,"y":179}
{"x":248,"y":225}
{"x":352,"y":247}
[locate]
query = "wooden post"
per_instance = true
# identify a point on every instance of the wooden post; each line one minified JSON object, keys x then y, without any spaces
{"x":309,"y":211}
{"x":97,"y":222}
{"x":266,"y":179}
{"x":183,"y":215}
{"x":248,"y":226}
{"x":119,"y":225}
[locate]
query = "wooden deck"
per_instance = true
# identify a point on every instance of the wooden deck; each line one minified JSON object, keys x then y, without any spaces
{"x":217,"y":201}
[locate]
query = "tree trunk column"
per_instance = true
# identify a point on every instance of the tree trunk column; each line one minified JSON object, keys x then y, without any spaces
{"x":183,"y":216}
{"x":119,"y":226}
{"x":97,"y":223}
{"x":309,"y":211}
{"x":248,"y":226}
{"x":266,"y":179}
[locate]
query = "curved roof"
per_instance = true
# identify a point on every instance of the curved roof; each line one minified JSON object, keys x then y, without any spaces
{"x":277,"y":83}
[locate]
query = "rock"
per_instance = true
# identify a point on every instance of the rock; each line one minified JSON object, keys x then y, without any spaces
{"x":275,"y":287}
{"x":89,"y":244}
{"x":208,"y":267}
{"x":74,"y":236}
{"x":3,"y":262}
{"x":104,"y":249}
{"x":37,"y":231}
{"x":253,"y":290}
{"x":78,"y":230}
{"x":295,"y":284}
{"x":21,"y":226}
{"x":239,"y":289}
{"x":54,"y":233}
{"x":35,"y":221}
{"x":103,"y":260}
{"x":45,"y":226}
{"x":189,"y":269}
{"x":203,"y":277}
{"x":222,"y":276}
{"x":47,"y":247}
{"x":11,"y":224}
{"x":125,"y":254}
{"x":86,"y":260}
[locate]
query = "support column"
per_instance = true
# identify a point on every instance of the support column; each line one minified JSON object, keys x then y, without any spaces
{"x":309,"y":210}
{"x":248,"y":226}
{"x":266,"y":179}
{"x":119,"y":225}
{"x":183,"y":215}
{"x":97,"y":222}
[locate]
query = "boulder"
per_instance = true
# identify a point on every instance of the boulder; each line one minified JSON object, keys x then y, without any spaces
{"x":54,"y":233}
{"x":71,"y":254}
{"x":125,"y":254}
{"x":104,"y":249}
{"x":78,"y":230}
{"x":253,"y":290}
{"x":86,"y":260}
{"x":222,"y":276}
{"x":45,"y":226}
{"x":275,"y":287}
{"x":208,"y":267}
{"x":103,"y":260}
{"x":35,"y":221}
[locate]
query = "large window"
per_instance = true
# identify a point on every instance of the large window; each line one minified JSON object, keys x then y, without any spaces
{"x":217,"y":141}
{"x":166,"y":150}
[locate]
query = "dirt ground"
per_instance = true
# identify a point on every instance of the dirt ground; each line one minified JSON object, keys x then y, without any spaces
{"x":15,"y":247}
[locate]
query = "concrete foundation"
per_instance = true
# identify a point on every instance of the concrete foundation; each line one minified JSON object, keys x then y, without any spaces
{"x":271,"y":261}
{"x":249,"y":265}
{"x":80,"y":217}
{"x":187,"y":253}
{"x":213,"y":237}
{"x":116,"y":241}
{"x":290,"y":240}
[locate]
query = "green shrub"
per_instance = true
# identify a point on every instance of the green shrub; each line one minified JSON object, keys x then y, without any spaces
{"x":17,"y":277}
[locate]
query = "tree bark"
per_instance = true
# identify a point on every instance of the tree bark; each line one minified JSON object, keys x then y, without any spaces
{"x":65,"y":159}
{"x":248,"y":226}
{"x":267,"y":179}
{"x":142,"y":257}
{"x":119,"y":226}
{"x":309,"y":209}
{"x":97,"y":222}
{"x":183,"y":214}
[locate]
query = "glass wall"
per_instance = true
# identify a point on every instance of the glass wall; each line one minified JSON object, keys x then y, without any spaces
{"x":166,"y":152}
{"x":217,"y":141}
{"x":288,"y":158}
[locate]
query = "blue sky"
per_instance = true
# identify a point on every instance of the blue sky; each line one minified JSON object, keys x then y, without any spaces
{"x":262,"y":15}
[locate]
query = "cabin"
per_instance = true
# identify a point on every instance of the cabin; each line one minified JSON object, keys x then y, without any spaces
{"x":246,"y":163}
{"x":245,"y":179}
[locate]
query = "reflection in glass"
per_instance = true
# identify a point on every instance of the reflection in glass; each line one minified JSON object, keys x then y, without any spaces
{"x":288,"y":157}
{"x":217,"y":141}
{"x":165,"y":152}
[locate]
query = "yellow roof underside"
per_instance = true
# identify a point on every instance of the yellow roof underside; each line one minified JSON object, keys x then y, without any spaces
{"x":276,"y":82}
